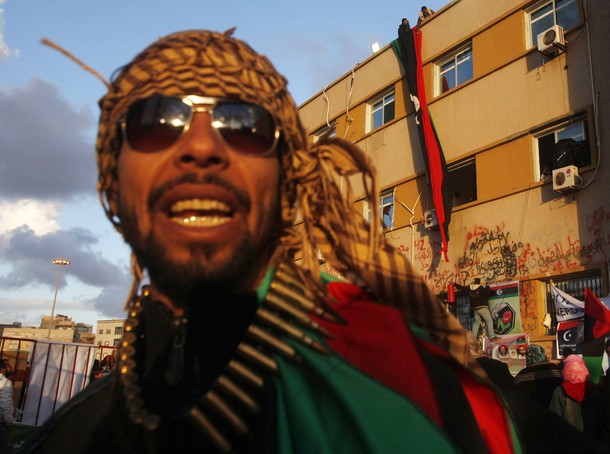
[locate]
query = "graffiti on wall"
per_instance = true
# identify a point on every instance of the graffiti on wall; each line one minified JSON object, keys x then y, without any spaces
{"x":494,"y":255}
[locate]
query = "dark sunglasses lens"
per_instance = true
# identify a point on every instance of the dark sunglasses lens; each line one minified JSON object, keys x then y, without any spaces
{"x":248,"y":128}
{"x":154,"y":124}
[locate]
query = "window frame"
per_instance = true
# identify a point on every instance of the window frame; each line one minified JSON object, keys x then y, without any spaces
{"x":453,"y":168}
{"x":556,"y":128}
{"x":452,"y":57}
{"x":383,"y":202}
{"x":372,"y":109}
{"x":329,"y":130}
{"x":531,"y":35}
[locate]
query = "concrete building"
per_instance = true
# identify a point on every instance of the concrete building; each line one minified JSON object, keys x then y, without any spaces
{"x":17,"y":337}
{"x":108,"y":332}
{"x":500,"y":98}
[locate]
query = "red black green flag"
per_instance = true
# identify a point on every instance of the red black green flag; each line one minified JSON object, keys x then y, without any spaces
{"x":597,"y":326}
{"x":408,"y":48}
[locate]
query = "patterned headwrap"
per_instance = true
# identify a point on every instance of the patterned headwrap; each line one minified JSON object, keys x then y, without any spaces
{"x":535,"y":354}
{"x":575,"y":376}
{"x":216,"y":64}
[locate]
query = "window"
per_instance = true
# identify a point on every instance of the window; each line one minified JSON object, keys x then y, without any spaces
{"x":462,"y":181}
{"x":563,"y":145}
{"x":386,"y":209}
{"x":101,"y":331}
{"x":108,"y":331}
{"x":118,"y":330}
{"x":454,"y":70}
{"x":544,"y":15}
{"x":380,"y":110}
{"x":325,"y":132}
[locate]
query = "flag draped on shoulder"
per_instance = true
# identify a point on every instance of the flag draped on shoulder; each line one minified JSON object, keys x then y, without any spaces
{"x":408,"y":48}
{"x":566,"y":306}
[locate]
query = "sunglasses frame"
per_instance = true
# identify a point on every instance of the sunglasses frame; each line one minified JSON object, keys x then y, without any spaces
{"x":205,"y":104}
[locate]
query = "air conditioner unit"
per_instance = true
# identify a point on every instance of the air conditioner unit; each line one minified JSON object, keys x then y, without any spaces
{"x":566,"y":179}
{"x":430,"y":219}
{"x":551,"y":41}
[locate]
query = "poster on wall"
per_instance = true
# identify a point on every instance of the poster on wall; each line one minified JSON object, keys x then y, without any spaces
{"x":570,"y":334}
{"x":508,"y":349}
{"x":505,"y":309}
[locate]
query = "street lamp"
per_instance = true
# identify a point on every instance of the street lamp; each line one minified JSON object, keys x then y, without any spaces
{"x":60,"y":263}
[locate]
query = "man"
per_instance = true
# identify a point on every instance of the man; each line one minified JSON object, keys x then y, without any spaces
{"x":6,"y":406}
{"x":404,"y":27}
{"x":234,"y":346}
{"x":477,"y":295}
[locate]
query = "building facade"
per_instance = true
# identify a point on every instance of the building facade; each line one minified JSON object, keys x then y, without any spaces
{"x":108,"y":332}
{"x":516,"y":93}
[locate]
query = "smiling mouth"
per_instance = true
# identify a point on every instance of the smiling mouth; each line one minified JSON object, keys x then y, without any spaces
{"x":200,"y":212}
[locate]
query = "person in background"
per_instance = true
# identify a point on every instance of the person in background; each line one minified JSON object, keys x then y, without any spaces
{"x":6,"y":406}
{"x":578,"y":401}
{"x":404,"y":27}
{"x":477,"y":295}
{"x":424,"y":13}
{"x":497,"y":370}
{"x":539,"y":378}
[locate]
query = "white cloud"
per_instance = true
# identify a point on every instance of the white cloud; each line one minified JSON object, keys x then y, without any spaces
{"x":5,"y":50}
{"x":41,"y":217}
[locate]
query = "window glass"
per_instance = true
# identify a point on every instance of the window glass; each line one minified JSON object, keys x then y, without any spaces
{"x":544,"y":15}
{"x":382,"y":110}
{"x":564,"y":145}
{"x":325,"y":132}
{"x":462,"y":181}
{"x":386,"y":209}
{"x":118,"y":330}
{"x":455,"y":70}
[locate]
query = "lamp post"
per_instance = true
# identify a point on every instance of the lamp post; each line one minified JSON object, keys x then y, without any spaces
{"x":60,"y":263}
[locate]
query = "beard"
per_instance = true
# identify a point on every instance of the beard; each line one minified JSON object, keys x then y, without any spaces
{"x":183,"y":281}
{"x":208,"y":268}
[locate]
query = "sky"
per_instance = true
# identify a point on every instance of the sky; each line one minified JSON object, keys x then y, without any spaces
{"x":49,"y":206}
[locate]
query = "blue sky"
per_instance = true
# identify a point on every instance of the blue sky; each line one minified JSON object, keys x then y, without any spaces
{"x":48,"y":115}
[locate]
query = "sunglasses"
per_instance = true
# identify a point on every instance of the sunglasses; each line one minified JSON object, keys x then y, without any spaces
{"x":156,"y":123}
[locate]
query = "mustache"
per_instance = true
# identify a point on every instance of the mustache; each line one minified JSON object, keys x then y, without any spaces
{"x":213,"y":179}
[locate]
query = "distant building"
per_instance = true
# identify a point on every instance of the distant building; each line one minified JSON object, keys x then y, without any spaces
{"x":16,"y":334}
{"x":109,"y":332}
{"x":59,"y":322}
{"x":84,"y":334}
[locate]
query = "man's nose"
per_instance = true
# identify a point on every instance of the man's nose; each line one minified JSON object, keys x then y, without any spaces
{"x":201,"y":145}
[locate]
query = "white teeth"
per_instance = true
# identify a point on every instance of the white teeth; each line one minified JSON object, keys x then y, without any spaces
{"x":200,"y":204}
{"x":201,"y":221}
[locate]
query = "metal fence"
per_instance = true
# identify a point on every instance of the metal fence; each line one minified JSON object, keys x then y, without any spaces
{"x":47,"y":374}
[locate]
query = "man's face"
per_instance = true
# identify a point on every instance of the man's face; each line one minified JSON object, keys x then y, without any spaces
{"x":199,"y":214}
{"x":6,"y":370}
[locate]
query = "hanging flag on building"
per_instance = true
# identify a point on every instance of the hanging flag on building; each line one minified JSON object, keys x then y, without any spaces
{"x":566,"y":306}
{"x":408,"y":48}
{"x":597,"y":326}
